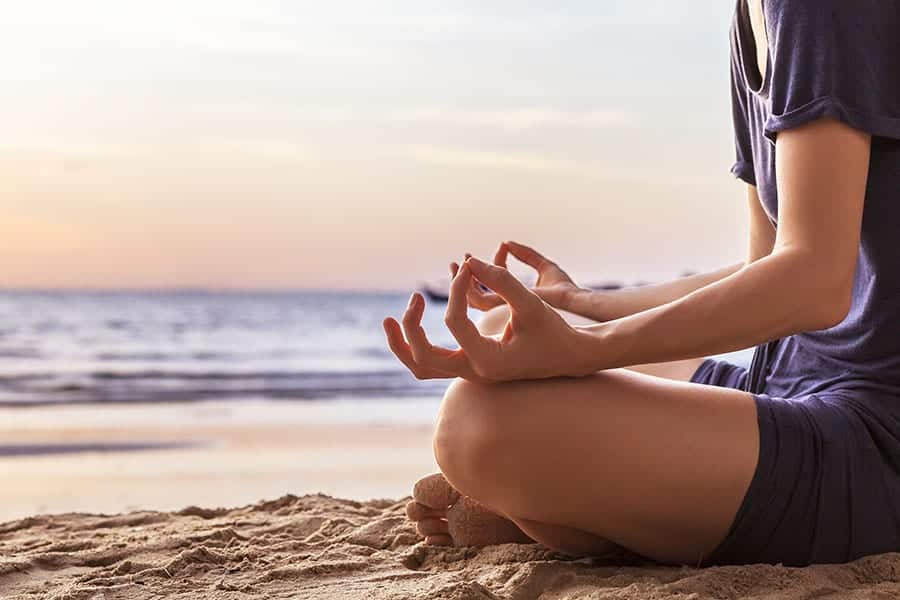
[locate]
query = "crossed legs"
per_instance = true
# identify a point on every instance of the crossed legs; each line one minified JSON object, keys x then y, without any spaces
{"x":621,"y":458}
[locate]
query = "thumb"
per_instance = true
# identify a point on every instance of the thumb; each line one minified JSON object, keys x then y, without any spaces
{"x":505,"y":284}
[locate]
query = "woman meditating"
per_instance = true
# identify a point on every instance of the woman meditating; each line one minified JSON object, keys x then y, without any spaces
{"x":618,"y":431}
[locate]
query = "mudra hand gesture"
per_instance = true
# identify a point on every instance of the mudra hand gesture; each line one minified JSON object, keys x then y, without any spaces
{"x":537,"y":342}
{"x":553,"y":284}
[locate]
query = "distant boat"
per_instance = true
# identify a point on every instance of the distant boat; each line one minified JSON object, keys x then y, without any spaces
{"x":434,"y":293}
{"x":440,"y":292}
{"x":437,"y":293}
{"x":606,"y":286}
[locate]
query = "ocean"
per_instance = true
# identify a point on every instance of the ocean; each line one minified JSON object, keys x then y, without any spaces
{"x":127,"y":347}
{"x":166,"y":347}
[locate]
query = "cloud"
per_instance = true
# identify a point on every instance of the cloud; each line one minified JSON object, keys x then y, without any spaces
{"x":468,"y":157}
{"x":512,"y":118}
{"x":41,"y":148}
{"x":455,"y":156}
{"x":84,"y":151}
{"x":508,"y":118}
{"x":272,"y":150}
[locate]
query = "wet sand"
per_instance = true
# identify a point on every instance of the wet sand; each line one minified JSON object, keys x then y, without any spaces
{"x":120,"y":458}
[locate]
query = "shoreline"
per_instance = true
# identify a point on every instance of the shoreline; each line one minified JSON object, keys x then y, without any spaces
{"x":215,"y":454}
{"x":141,"y":525}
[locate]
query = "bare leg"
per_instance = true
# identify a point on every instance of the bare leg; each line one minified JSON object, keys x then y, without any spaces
{"x":469,"y":522}
{"x":444,"y":517}
{"x":656,"y":466}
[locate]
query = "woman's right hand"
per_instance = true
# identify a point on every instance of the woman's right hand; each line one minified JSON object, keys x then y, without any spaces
{"x":554,"y":286}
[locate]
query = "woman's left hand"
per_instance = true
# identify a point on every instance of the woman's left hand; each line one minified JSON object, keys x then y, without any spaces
{"x":537,"y":342}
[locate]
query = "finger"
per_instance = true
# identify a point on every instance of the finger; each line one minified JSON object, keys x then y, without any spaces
{"x":528,"y":255}
{"x":501,"y":255}
{"x":425,"y":355}
{"x":481,"y":299}
{"x":401,"y":349}
{"x":397,"y":343}
{"x":403,"y":352}
{"x":442,"y":363}
{"x":457,"y":318}
{"x":505,"y":285}
{"x":412,"y":328}
{"x":476,"y":295}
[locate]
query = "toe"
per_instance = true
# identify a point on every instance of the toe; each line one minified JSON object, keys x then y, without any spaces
{"x":429,"y":527}
{"x":434,"y":492}
{"x":417,"y":512}
{"x":439,"y":540}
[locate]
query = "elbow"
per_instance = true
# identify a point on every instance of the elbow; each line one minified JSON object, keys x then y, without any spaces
{"x":823,"y":289}
{"x":832,"y":304}
{"x":833,"y":312}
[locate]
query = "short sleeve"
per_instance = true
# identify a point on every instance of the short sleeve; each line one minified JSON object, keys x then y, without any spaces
{"x":743,"y":148}
{"x":837,"y":59}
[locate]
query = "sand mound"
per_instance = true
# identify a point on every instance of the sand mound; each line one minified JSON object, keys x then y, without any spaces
{"x":322,"y":547}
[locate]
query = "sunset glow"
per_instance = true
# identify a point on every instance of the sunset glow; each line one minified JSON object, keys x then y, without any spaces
{"x":360,"y":144}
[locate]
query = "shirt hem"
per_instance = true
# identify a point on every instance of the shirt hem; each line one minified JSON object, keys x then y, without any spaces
{"x":828,"y":106}
{"x":743,"y":170}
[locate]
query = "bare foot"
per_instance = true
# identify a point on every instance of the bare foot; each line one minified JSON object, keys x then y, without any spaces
{"x":447,"y":518}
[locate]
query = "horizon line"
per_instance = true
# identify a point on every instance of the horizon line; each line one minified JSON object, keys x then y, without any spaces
{"x":193,"y":290}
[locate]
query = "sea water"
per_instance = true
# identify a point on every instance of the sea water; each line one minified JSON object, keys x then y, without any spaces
{"x":189,"y":346}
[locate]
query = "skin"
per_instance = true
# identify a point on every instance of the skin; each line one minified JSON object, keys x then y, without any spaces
{"x":758,"y":23}
{"x":804,"y":284}
{"x":589,"y":437}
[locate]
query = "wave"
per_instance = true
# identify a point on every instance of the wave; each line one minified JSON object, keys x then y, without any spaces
{"x":149,"y":386}
{"x":16,"y":450}
{"x":165,"y":356}
{"x":28,"y":353}
{"x":157,"y":346}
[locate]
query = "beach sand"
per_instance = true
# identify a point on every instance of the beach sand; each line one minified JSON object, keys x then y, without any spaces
{"x":298,"y":546}
{"x":321,"y":547}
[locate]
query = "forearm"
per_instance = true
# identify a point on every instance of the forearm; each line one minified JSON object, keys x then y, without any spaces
{"x":610,"y":305}
{"x":784,"y":293}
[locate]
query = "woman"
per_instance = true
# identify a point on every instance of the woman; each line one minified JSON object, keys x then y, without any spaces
{"x":621,"y":433}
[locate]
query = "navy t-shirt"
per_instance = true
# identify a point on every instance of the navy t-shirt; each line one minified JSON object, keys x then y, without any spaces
{"x":838,"y":59}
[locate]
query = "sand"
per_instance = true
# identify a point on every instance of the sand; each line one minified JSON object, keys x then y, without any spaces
{"x":311,"y":546}
{"x":321,"y":547}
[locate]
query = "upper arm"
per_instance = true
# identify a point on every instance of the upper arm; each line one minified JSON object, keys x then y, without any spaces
{"x":831,"y":85}
{"x":762,"y":231}
{"x":822,"y":170}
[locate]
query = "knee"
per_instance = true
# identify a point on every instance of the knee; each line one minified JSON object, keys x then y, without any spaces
{"x":467,"y":433}
{"x":494,"y":320}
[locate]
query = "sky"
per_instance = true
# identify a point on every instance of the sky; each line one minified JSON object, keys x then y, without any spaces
{"x":361,"y":144}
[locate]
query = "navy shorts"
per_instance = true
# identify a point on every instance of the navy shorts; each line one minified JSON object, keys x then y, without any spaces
{"x":827,"y":483}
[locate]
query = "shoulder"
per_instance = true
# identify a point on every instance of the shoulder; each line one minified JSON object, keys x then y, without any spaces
{"x":843,"y":14}
{"x":835,"y":34}
{"x":834,"y":58}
